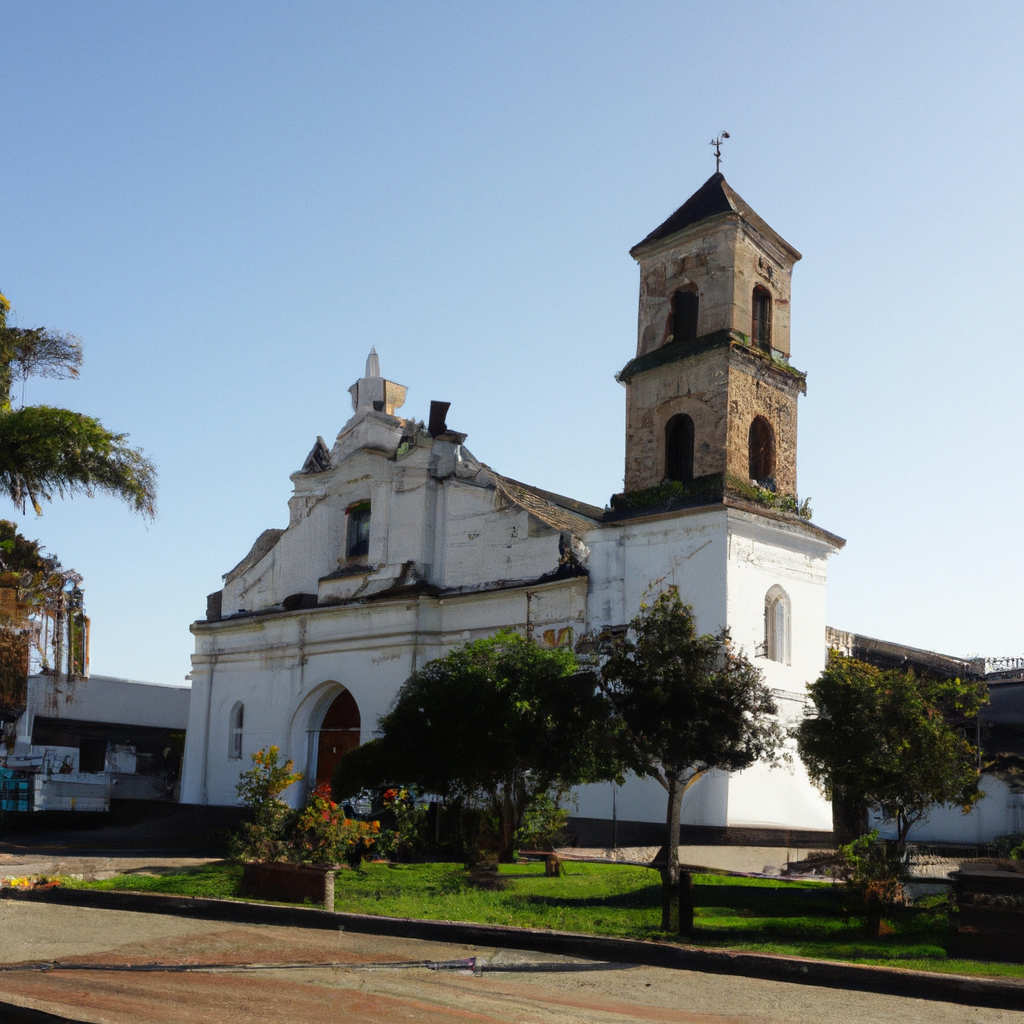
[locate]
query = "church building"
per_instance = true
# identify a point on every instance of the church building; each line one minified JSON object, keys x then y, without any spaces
{"x":400,"y":543}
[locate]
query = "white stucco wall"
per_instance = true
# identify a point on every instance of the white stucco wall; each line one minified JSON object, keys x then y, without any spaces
{"x":286,"y":668}
{"x":1000,"y":812}
{"x":766,"y":553}
{"x":724,"y":561}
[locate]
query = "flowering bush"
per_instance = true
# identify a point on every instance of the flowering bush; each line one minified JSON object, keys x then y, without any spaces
{"x":318,"y":834}
{"x":407,"y":820}
{"x":323,"y":835}
{"x":260,"y":788}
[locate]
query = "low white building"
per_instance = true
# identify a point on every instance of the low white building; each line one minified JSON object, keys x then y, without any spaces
{"x":84,"y":740}
{"x":401,"y":543}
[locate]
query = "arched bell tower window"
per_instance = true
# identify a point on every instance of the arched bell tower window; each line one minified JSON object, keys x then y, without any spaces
{"x":679,"y":448}
{"x":685,"y":306}
{"x":776,"y":625}
{"x":761,"y":328}
{"x":762,"y":452}
{"x":235,"y":731}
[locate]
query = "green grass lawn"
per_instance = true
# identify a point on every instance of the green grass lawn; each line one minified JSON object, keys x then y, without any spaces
{"x":766,"y":915}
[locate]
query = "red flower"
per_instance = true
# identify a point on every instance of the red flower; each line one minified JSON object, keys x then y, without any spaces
{"x":390,"y":794}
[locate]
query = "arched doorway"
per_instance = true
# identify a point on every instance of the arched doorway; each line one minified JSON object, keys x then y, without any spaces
{"x":339,"y":733}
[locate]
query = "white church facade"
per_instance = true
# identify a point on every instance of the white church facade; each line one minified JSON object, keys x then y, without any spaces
{"x":400,"y":543}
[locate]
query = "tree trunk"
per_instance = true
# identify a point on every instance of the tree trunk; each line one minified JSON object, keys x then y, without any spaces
{"x":506,"y":827}
{"x":849,"y":817}
{"x":904,"y":823}
{"x":670,"y":872}
{"x":685,"y":903}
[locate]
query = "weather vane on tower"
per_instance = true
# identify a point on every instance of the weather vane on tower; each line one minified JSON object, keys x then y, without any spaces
{"x":717,"y":143}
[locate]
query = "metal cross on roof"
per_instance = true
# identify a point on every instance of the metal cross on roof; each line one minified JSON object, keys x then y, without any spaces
{"x":717,"y":143}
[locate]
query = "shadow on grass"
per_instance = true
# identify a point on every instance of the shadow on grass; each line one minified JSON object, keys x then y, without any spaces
{"x":488,"y":881}
{"x":648,"y":896}
{"x":738,"y":900}
{"x":770,"y":902}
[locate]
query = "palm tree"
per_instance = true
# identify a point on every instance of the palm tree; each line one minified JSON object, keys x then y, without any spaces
{"x":47,"y":452}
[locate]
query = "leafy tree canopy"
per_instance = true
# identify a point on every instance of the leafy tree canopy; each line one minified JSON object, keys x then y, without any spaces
{"x":891,"y":741}
{"x":500,"y":719}
{"x":47,"y":452}
{"x":690,"y":703}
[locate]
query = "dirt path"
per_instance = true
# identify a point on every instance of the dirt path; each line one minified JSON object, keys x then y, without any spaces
{"x":358,"y":992}
{"x":92,"y":868}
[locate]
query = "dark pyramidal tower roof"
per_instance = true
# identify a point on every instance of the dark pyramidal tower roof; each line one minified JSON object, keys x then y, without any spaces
{"x":716,"y":196}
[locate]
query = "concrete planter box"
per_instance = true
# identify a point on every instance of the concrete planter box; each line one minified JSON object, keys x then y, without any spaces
{"x":988,"y":923}
{"x":290,"y":883}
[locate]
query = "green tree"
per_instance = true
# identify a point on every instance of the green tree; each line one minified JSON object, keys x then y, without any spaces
{"x":891,"y":741}
{"x":690,"y":704}
{"x":499,"y":720}
{"x":46,"y":451}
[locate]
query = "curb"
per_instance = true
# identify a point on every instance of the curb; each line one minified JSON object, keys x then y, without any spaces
{"x":972,"y":991}
{"x":16,"y":1013}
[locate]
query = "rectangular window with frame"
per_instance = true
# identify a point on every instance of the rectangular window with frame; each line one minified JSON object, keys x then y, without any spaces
{"x":358,"y":542}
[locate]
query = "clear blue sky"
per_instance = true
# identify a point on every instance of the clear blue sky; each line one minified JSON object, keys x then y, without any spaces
{"x":231,"y":202}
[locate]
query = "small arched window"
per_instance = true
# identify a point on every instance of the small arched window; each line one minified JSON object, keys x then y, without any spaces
{"x":685,"y":306}
{"x":235,"y":733}
{"x":679,"y":448}
{"x":776,"y":625}
{"x":358,"y":541}
{"x":761,"y":311}
{"x":761,"y":445}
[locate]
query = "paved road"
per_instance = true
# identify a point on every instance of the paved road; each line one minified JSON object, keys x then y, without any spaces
{"x":358,"y":992}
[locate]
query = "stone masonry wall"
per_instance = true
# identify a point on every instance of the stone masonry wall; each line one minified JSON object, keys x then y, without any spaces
{"x":753,"y":392}
{"x":722,"y":261}
{"x":722,"y":391}
{"x":695,"y":261}
{"x":697,"y":386}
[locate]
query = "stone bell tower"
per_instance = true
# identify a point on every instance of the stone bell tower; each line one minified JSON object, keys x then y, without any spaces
{"x":710,"y":390}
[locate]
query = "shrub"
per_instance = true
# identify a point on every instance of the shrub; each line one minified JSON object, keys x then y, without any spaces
{"x":873,"y":875}
{"x":1011,"y":846}
{"x":323,"y":835}
{"x":264,"y":837}
{"x":407,"y":820}
{"x":318,"y":834}
{"x":542,"y":825}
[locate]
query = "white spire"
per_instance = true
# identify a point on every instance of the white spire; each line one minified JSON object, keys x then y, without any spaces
{"x":372,"y":392}
{"x":372,"y":363}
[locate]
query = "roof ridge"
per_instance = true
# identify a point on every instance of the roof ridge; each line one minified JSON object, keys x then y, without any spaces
{"x":714,"y":198}
{"x":555,"y":515}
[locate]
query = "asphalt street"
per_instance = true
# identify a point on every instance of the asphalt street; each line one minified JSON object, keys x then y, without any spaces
{"x":216,"y":972}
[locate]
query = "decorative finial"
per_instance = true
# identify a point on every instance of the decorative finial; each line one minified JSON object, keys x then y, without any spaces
{"x":717,"y":143}
{"x":372,"y":363}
